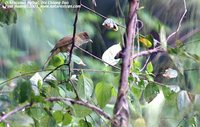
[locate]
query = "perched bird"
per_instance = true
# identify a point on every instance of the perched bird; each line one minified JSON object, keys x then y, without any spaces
{"x":65,"y":44}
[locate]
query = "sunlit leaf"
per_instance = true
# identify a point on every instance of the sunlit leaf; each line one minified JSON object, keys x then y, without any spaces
{"x":67,"y":119}
{"x":146,"y":42}
{"x":56,"y":61}
{"x":139,"y":122}
{"x":109,"y":55}
{"x":149,"y":67}
{"x":137,"y":92}
{"x":58,"y":116}
{"x":169,"y":94}
{"x":103,"y":93}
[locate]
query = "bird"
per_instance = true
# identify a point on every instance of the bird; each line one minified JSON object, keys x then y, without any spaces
{"x":65,"y":44}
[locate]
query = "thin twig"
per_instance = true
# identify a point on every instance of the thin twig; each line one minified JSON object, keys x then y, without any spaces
{"x":146,"y":52}
{"x":73,"y":38}
{"x":14,"y":111}
{"x":74,"y":69}
{"x":55,"y":70}
{"x":145,"y":64}
{"x":100,"y":14}
{"x":97,"y":58}
{"x":180,"y":22}
{"x":74,"y":89}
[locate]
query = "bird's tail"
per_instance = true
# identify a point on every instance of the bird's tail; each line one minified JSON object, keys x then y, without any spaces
{"x":47,"y":61}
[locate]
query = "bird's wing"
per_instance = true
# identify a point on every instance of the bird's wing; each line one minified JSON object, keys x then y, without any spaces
{"x":62,"y":42}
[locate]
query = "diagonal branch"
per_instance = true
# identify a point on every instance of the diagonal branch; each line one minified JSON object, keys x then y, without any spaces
{"x":146,"y":52}
{"x":79,"y":102}
{"x":17,"y":109}
{"x":55,"y":99}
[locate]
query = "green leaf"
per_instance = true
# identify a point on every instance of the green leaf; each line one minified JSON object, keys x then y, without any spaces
{"x":48,"y":121}
{"x":103,"y":93}
{"x":8,"y":16}
{"x":56,"y":61}
{"x":83,"y":123}
{"x":147,"y":41}
{"x":20,"y":120}
{"x":77,"y":60}
{"x":23,"y":91}
{"x":149,"y":67}
{"x":81,"y":111}
{"x":169,"y":95}
{"x":36,"y":113}
{"x":67,"y":119}
{"x":58,"y":116}
{"x":150,"y":92}
{"x":85,"y":87}
{"x":137,"y":92}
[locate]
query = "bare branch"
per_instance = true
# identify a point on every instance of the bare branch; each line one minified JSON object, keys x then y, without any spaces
{"x":180,"y":21}
{"x":17,"y":109}
{"x":146,"y":52}
{"x":54,"y":99}
{"x":79,"y":102}
{"x":73,"y":38}
{"x":97,"y":57}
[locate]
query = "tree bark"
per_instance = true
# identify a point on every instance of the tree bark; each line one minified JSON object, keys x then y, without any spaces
{"x":121,"y":109}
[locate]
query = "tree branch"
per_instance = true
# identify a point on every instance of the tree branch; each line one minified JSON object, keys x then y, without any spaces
{"x":54,"y":99}
{"x":73,"y":38}
{"x":146,"y":52}
{"x":121,"y":110}
{"x":17,"y":109}
{"x":79,"y":102}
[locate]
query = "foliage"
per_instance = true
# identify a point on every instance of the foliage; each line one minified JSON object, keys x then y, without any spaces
{"x":163,"y":91}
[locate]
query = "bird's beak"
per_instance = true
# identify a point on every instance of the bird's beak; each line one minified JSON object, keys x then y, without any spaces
{"x":90,"y":41}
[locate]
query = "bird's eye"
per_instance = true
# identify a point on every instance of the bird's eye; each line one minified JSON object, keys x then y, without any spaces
{"x":85,"y":35}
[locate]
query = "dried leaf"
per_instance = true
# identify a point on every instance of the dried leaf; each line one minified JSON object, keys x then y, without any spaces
{"x":170,"y":73}
{"x":110,"y":24}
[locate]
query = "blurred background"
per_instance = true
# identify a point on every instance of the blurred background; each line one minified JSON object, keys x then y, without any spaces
{"x":26,"y":36}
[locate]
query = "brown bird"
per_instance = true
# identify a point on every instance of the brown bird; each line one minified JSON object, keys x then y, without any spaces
{"x":65,"y":44}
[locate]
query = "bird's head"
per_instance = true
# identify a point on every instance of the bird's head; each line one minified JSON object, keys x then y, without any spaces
{"x":85,"y":37}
